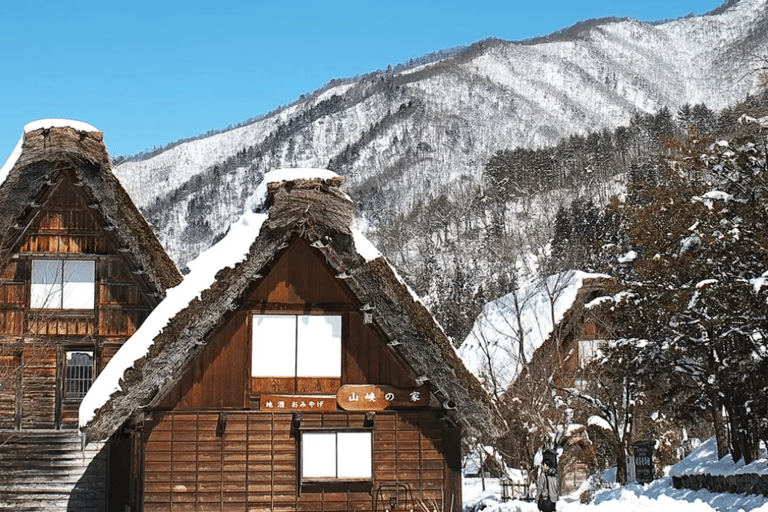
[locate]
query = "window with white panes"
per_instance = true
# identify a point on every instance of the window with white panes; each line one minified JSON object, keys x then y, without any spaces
{"x":338,"y":455}
{"x":296,"y":346}
{"x":63,"y":284}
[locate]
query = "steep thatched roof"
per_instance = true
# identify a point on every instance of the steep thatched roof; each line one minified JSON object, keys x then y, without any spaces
{"x":45,"y":152}
{"x":318,"y":211}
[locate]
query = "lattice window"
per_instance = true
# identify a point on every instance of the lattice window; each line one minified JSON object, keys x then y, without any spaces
{"x":79,"y":374}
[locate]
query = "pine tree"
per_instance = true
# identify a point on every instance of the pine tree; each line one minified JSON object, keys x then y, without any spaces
{"x":694,"y":311}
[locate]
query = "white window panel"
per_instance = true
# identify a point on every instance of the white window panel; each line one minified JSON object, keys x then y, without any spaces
{"x":353,"y":455}
{"x":63,"y":284}
{"x":273,"y":352}
{"x":318,"y":455}
{"x":78,"y":287}
{"x":46,"y":284}
{"x":319,"y":346}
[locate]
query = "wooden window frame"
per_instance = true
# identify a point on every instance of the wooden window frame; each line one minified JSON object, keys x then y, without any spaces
{"x":297,"y":382}
{"x":66,"y":378}
{"x":61,"y":284}
{"x":313,"y":480}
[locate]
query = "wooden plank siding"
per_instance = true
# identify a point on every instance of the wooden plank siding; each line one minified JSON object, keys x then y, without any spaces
{"x":254,"y":464}
{"x":219,"y":377}
{"x":62,"y":225}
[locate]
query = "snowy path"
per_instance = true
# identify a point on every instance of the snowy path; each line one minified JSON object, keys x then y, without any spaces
{"x":659,"y":496}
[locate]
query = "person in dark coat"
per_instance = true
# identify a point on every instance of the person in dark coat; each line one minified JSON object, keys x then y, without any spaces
{"x":547,"y":488}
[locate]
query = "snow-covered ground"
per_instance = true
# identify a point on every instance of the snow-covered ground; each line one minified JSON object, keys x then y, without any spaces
{"x":658,"y":496}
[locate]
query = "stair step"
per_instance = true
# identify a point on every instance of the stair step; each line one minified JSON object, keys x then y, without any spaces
{"x":40,"y":469}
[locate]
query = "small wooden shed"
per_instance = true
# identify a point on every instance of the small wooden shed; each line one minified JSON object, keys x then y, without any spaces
{"x":292,"y":370}
{"x":80,"y":270}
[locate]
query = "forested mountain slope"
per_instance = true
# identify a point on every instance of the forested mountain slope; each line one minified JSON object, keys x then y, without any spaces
{"x":414,"y":142}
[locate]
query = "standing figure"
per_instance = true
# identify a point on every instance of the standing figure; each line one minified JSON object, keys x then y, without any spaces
{"x":547,"y":488}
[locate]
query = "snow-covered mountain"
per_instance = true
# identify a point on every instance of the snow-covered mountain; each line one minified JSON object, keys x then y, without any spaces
{"x":407,"y":136}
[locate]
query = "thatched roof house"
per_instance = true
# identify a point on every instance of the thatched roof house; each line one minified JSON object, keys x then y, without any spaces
{"x":80,"y":270}
{"x":510,"y":330}
{"x":50,"y":147}
{"x":304,"y":205}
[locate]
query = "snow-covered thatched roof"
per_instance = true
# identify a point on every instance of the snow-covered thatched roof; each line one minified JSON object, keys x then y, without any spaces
{"x":304,"y":203}
{"x":51,"y":146}
{"x":526,"y":317}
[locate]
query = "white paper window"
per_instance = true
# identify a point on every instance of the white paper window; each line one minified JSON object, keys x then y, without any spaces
{"x":296,"y":346}
{"x":274,"y":346}
{"x":336,"y":455}
{"x":589,"y":350}
{"x":63,"y":284}
{"x":318,"y":346}
{"x":318,"y":456}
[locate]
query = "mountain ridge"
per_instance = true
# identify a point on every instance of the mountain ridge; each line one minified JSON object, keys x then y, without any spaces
{"x":403,"y":137}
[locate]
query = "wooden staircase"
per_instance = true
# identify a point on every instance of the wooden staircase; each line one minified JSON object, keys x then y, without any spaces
{"x":48,"y":470}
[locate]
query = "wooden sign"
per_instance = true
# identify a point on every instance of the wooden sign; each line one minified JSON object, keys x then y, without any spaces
{"x":297,"y":403}
{"x":372,"y":397}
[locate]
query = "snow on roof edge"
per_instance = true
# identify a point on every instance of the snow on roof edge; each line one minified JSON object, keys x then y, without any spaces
{"x":365,"y":247}
{"x":36,"y":125}
{"x":496,"y":326}
{"x":12,"y":159}
{"x":230,"y":251}
{"x":57,"y":123}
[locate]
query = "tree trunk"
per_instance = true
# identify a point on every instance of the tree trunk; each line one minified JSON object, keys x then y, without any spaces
{"x":743,"y":443}
{"x":621,"y":466}
{"x":720,"y":433}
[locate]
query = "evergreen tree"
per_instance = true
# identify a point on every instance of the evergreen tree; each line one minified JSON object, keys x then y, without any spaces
{"x":694,"y":310}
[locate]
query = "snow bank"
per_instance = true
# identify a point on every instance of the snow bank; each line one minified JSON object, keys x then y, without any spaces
{"x":703,"y":460}
{"x":657,"y":496}
{"x":495,"y":337}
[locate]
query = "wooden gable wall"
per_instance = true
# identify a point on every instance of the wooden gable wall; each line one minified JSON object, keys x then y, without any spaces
{"x":61,"y":224}
{"x":299,"y":282}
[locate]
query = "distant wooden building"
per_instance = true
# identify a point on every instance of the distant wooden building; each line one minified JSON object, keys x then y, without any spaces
{"x":80,"y":270}
{"x":576,"y":340}
{"x":565,"y":356}
{"x":305,"y":376}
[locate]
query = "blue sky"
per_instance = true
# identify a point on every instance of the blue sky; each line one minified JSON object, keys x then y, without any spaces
{"x":148,"y":73}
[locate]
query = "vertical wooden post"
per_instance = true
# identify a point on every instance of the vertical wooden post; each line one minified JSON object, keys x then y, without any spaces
{"x":61,"y":364}
{"x":19,"y":388}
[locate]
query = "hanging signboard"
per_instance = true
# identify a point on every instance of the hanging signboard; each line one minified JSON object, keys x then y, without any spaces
{"x":297,"y":403}
{"x":379,"y":397}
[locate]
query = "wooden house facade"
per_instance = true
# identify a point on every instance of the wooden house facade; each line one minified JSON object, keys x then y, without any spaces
{"x":80,"y":270}
{"x":305,"y":376}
